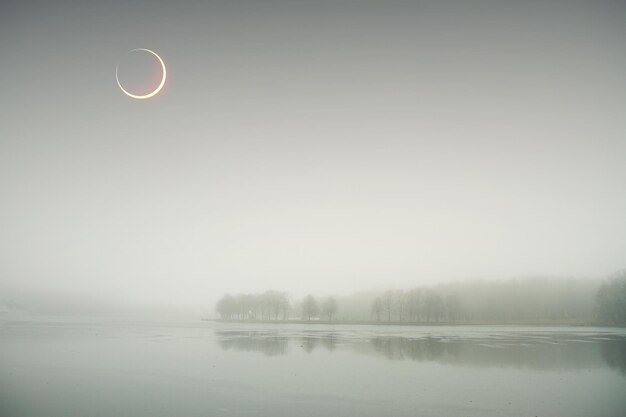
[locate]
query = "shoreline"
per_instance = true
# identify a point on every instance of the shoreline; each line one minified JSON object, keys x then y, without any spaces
{"x":571,"y":323}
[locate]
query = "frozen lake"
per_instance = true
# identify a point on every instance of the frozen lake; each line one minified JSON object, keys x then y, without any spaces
{"x":63,"y":368}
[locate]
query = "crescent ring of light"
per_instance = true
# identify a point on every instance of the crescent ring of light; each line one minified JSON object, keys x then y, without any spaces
{"x":142,"y":97}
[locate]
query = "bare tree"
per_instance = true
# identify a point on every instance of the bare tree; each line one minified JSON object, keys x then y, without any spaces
{"x":388,"y":303}
{"x":227,"y":307}
{"x":377,"y":307}
{"x":611,"y":300}
{"x":276,"y":303}
{"x":413,"y":304}
{"x":434,"y":307}
{"x":329,"y":308}
{"x":453,"y":307}
{"x":400,"y":302}
{"x":310,"y":307}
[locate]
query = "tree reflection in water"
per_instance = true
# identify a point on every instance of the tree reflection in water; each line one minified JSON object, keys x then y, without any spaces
{"x":614,"y":353}
{"x":540,"y":351}
{"x":553,"y":353}
{"x":272,"y":343}
{"x":266,"y":343}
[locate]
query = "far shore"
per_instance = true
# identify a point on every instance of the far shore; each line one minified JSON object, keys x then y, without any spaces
{"x":573,"y":323}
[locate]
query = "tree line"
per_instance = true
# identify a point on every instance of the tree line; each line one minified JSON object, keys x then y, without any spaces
{"x":274,"y":305}
{"x":516,"y":301}
{"x":418,"y":305}
{"x":611,"y":301}
{"x":270,"y":305}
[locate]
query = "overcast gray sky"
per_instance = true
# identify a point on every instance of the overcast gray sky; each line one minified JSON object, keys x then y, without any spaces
{"x":318,"y":146}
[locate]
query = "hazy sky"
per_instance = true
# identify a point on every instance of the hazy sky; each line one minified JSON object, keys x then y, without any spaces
{"x":310,"y":146}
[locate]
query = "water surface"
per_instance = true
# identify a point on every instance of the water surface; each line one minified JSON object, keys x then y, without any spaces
{"x":118,"y":368}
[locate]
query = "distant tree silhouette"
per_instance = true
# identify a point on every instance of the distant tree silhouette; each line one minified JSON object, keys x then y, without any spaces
{"x":387,"y":303}
{"x":270,"y":305}
{"x":227,"y":307}
{"x":611,"y":301}
{"x":453,"y":308}
{"x":310,"y":307}
{"x":276,"y":303}
{"x":413,"y":304}
{"x":329,"y":308}
{"x":434,"y":306}
{"x":377,"y":307}
{"x":400,"y":303}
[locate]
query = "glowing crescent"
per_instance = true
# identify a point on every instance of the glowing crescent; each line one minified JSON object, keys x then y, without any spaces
{"x":142,"y":97}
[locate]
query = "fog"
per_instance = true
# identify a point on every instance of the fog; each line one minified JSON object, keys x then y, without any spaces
{"x":306,"y":208}
{"x":328,"y":148}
